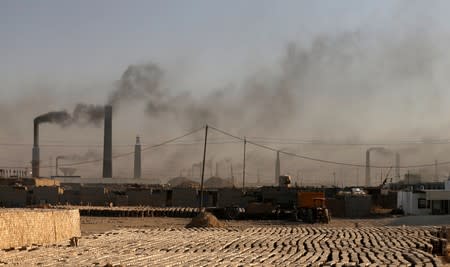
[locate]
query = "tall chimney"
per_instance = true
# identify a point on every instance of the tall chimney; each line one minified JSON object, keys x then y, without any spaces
{"x":277,"y":168}
{"x":35,"y":152}
{"x":217,"y":169}
{"x":137,"y":158}
{"x":368,"y":167}
{"x":397,"y":166}
{"x":436,"y":173}
{"x":107,"y":143}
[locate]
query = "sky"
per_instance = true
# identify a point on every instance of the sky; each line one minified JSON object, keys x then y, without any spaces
{"x":67,"y":44}
{"x":350,"y":71}
{"x":83,"y":45}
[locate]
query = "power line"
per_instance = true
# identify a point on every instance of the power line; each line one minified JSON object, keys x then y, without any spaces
{"x":260,"y":140}
{"x":129,"y":153}
{"x":193,"y":141}
{"x":287,"y":141}
{"x":326,"y":161}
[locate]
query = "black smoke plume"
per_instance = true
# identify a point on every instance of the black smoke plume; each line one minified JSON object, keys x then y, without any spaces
{"x":82,"y":115}
{"x":58,"y":117}
{"x":139,"y":82}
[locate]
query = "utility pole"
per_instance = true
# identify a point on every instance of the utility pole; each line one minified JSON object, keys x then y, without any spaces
{"x":50,"y":170}
{"x":203,"y":168}
{"x":243,"y":167}
{"x":381,"y":175}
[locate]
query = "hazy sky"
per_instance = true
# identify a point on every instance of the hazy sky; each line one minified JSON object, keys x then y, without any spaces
{"x":381,"y":64}
{"x":83,"y":45}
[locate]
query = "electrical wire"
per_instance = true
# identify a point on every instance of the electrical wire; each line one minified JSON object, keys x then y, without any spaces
{"x":128,"y":153}
{"x":322,"y":160}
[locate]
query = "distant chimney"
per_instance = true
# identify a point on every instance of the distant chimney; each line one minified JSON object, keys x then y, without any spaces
{"x":436,"y":172}
{"x":35,"y":152}
{"x":137,"y":158}
{"x":107,"y":143}
{"x":397,"y":166}
{"x":368,"y":167}
{"x":277,"y":168}
{"x":217,"y":169}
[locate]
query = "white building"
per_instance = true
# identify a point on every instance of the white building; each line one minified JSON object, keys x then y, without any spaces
{"x":440,"y":199}
{"x":423,"y":202}
{"x":413,"y":202}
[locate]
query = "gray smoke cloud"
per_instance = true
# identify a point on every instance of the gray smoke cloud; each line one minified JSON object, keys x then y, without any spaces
{"x":58,"y":117}
{"x":89,"y":155}
{"x":335,"y":82}
{"x":83,"y":114}
{"x":140,"y":82}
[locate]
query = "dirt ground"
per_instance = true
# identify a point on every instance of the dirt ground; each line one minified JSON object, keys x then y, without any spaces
{"x":92,"y":225}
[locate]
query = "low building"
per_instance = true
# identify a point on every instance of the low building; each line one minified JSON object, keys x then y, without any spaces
{"x":350,"y":206}
{"x":439,"y":200}
{"x":228,"y":197}
{"x":138,"y":196}
{"x":47,"y":195}
{"x":413,"y":202}
{"x":13,"y":196}
{"x":185,"y":197}
{"x":95,"y":196}
{"x":70,"y":196}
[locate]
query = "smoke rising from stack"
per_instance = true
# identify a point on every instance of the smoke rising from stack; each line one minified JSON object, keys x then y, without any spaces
{"x":83,"y":114}
{"x":349,"y":86}
{"x":140,"y":82}
{"x":332,"y":73}
{"x":89,"y":155}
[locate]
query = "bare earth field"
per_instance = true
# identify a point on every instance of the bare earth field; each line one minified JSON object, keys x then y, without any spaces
{"x":165,"y":242}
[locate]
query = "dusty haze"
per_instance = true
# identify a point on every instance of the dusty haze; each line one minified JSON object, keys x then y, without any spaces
{"x":350,"y":87}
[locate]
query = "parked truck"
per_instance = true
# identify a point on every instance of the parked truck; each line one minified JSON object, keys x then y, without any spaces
{"x":286,"y":202}
{"x":312,"y":208}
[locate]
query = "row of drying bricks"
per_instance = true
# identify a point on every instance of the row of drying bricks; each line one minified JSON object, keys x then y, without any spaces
{"x":253,"y":246}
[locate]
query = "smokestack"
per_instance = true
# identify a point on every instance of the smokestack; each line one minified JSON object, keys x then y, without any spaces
{"x":107,"y":143}
{"x":258,"y":178}
{"x":436,"y":175}
{"x":368,"y":167}
{"x":137,"y":158}
{"x":397,"y":166}
{"x":232,"y":174}
{"x":35,"y":152}
{"x":277,"y":168}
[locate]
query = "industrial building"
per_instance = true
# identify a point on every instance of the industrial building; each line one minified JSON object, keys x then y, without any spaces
{"x":425,"y":201}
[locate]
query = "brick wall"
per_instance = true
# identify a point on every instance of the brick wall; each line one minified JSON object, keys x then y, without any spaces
{"x":22,"y":227}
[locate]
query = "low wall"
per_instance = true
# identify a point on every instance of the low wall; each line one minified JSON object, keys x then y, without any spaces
{"x":22,"y":227}
{"x":13,"y":196}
